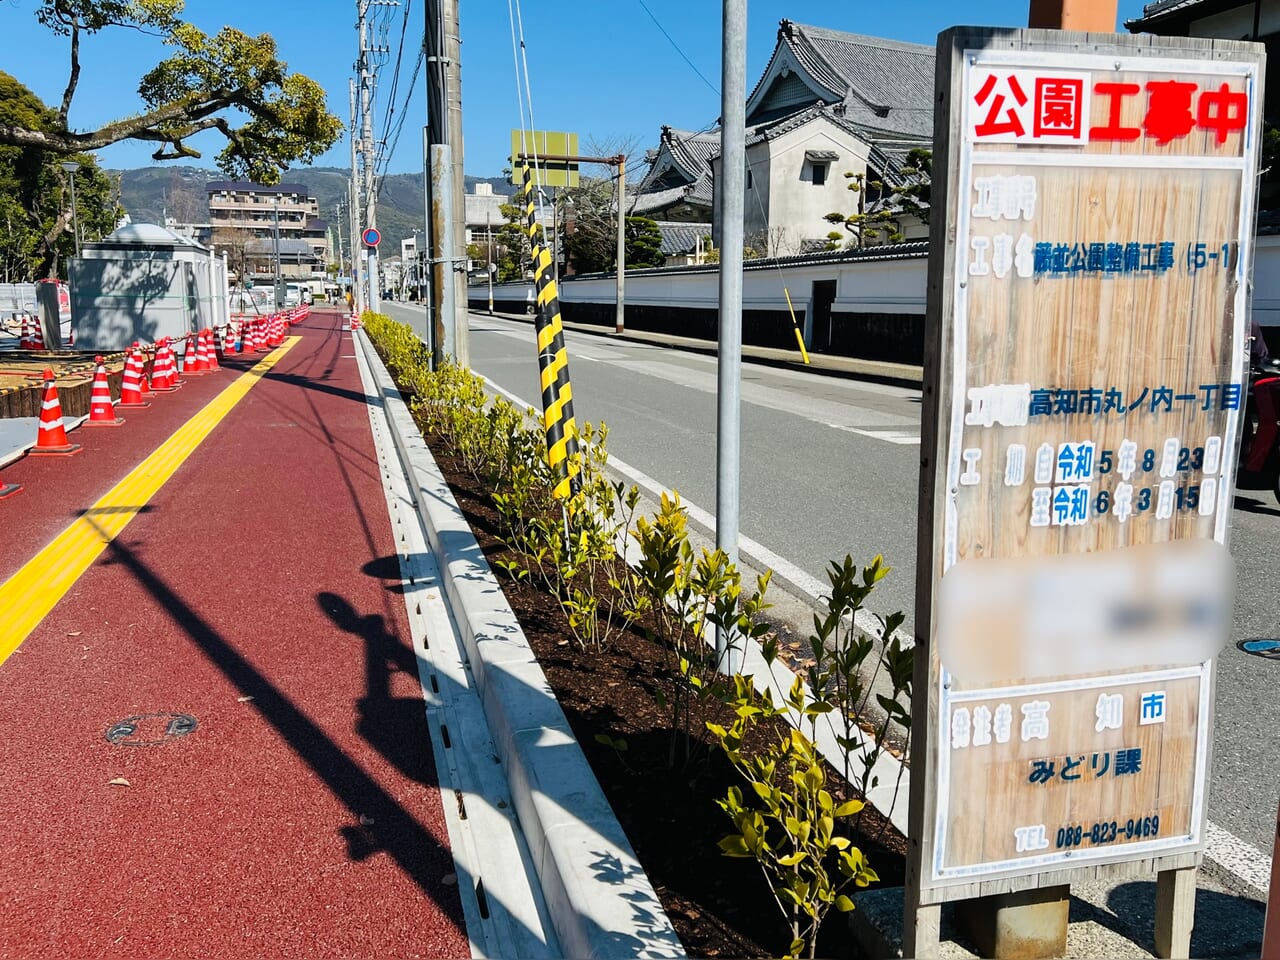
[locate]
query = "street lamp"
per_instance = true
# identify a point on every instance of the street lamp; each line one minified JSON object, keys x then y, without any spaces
{"x":71,"y":167}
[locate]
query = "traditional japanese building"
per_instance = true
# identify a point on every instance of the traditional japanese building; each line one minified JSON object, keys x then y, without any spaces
{"x":831,"y":108}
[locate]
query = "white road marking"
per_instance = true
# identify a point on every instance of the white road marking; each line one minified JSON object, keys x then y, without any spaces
{"x":890,"y":436}
{"x":1244,"y":861}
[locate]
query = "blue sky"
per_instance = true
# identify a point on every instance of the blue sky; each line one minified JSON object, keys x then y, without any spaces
{"x":601,"y":68}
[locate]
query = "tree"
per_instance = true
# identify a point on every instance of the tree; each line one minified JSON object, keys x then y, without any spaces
{"x":882,"y":207}
{"x":234,"y":242}
{"x":207,"y":84}
{"x":511,"y":245}
{"x":36,"y":236}
{"x":644,"y":243}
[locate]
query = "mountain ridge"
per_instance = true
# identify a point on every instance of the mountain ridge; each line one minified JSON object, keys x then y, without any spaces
{"x":148,"y":192}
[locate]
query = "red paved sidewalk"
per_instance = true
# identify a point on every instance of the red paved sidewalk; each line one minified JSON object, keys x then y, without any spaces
{"x":257,"y":594}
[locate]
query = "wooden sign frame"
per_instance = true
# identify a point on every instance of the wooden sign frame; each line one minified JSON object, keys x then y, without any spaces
{"x":1087,"y":167}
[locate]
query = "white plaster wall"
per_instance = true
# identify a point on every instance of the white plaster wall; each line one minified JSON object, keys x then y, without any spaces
{"x":797,"y":206}
{"x":868,"y":286}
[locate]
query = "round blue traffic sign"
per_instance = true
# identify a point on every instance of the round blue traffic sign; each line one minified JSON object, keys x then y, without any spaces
{"x":371,"y":237}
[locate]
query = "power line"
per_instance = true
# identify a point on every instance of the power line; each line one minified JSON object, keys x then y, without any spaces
{"x":394,"y":138}
{"x":395,"y":72}
{"x":675,"y":46}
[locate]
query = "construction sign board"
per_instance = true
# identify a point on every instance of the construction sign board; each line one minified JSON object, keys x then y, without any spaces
{"x":544,"y":143}
{"x":1084,"y":388}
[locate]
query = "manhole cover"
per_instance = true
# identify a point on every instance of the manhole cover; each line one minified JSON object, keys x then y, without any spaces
{"x":1270,"y":649}
{"x":150,"y":729}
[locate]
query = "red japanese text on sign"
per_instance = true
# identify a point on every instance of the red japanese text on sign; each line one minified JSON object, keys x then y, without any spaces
{"x":1021,"y":106}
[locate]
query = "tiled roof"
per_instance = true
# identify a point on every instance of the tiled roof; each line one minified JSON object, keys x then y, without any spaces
{"x":657,"y":199}
{"x":691,"y":154}
{"x":681,"y":237}
{"x":1160,"y":10}
{"x":887,"y":84}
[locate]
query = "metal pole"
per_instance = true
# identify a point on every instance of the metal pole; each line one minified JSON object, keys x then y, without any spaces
{"x":75,"y":218}
{"x":275,"y":206}
{"x":733,"y":99}
{"x":488,"y":229}
{"x":619,"y":321}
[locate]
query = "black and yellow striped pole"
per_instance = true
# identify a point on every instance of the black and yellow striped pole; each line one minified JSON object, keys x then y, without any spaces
{"x":553,"y":360}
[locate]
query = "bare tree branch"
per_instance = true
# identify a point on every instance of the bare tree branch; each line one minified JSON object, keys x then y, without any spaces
{"x":74,"y":78}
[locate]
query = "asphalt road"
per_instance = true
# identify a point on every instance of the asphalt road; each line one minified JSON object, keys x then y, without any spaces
{"x":830,"y":467}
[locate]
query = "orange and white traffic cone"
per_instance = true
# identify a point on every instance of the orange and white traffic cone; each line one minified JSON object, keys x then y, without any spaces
{"x":25,"y":342}
{"x":211,"y":351}
{"x":52,"y":441}
{"x":191,"y":358}
{"x":131,"y":385}
{"x":166,"y":368}
{"x":260,"y":338}
{"x":144,"y":383}
{"x":37,"y":334}
{"x":101,"y":411}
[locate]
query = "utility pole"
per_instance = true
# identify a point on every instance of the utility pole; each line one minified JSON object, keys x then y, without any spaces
{"x":446,"y":196}
{"x":733,"y":155}
{"x":353,"y":206}
{"x":342,"y":257}
{"x":367,"y":149}
{"x":489,"y":266}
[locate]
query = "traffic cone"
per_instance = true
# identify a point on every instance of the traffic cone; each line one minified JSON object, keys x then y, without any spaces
{"x":37,"y":334}
{"x":144,"y":384}
{"x":211,"y":350}
{"x":131,"y":386}
{"x":166,"y":367}
{"x":8,"y":489}
{"x":261,"y":338}
{"x":101,"y":411}
{"x":51,"y":441}
{"x":25,"y":342}
{"x":191,"y":365}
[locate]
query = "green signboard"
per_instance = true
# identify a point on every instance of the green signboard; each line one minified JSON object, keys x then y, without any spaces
{"x":545,"y":143}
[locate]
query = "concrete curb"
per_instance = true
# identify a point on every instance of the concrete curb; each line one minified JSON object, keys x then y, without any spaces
{"x":600,"y":900}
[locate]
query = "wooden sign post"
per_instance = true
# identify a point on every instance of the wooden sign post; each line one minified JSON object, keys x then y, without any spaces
{"x":1085,"y":378}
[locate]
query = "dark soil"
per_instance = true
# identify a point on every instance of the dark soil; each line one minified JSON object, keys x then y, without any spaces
{"x":720,"y":906}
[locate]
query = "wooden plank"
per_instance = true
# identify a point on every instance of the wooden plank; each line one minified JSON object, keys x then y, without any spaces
{"x":920,"y":918}
{"x":1175,"y":912}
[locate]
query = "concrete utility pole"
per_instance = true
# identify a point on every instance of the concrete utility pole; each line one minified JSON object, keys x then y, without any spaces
{"x":342,"y":257}
{"x":367,"y":148}
{"x":353,"y":207}
{"x":446,"y":193}
{"x":733,"y":158}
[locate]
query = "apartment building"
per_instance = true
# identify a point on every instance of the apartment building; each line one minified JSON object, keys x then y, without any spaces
{"x":241,"y":205}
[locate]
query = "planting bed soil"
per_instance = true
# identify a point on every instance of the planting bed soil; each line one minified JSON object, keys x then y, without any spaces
{"x":720,"y":906}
